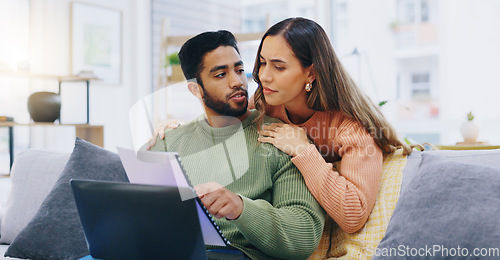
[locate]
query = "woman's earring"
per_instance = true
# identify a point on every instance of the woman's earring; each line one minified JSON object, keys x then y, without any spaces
{"x":308,"y":87}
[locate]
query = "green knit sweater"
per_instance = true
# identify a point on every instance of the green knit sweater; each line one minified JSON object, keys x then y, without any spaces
{"x":280,"y":218}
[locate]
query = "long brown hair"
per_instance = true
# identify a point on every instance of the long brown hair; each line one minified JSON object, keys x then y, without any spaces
{"x":333,"y":89}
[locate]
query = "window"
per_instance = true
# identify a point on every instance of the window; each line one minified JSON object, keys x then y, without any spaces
{"x":409,"y":12}
{"x":343,"y":8}
{"x":420,"y":85}
{"x":414,"y":11}
{"x":424,"y":11}
{"x":14,"y":26}
{"x":254,"y":25}
{"x":398,"y":86}
{"x":340,"y":23}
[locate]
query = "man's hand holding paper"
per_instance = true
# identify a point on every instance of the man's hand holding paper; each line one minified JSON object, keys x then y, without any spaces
{"x":219,"y":201}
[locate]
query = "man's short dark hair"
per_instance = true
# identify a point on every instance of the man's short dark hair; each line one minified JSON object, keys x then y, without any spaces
{"x":192,"y":52}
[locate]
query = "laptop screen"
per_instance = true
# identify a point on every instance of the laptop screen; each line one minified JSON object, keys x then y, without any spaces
{"x":133,"y":221}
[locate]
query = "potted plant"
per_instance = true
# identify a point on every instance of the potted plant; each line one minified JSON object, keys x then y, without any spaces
{"x":469,"y":129}
{"x":172,"y":61}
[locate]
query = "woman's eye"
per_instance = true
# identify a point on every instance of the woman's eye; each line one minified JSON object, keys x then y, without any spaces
{"x":279,"y":68}
{"x":262,"y":63}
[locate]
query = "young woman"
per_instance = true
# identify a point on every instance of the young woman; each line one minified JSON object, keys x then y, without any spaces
{"x":302,"y":82}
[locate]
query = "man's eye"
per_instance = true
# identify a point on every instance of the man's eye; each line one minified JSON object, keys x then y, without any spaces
{"x":240,"y":70}
{"x":220,"y":75}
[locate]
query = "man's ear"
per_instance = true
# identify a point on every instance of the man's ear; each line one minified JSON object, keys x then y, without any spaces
{"x":195,"y":89}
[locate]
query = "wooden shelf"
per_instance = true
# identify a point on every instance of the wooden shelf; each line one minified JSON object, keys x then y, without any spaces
{"x":42,"y":124}
{"x":467,"y":147}
{"x":59,"y":78}
{"x":23,"y":74}
{"x":473,"y":143}
{"x":91,"y":133}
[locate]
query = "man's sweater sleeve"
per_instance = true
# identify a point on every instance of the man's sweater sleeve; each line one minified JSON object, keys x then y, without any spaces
{"x":292,"y":225}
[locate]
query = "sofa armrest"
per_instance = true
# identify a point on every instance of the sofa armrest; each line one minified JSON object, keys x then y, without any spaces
{"x":5,"y":186}
{"x":1,"y":215}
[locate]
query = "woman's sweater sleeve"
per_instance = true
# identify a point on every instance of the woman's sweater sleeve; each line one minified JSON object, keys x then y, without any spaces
{"x":347,"y":196}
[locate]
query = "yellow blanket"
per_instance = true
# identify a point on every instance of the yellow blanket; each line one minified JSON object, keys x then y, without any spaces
{"x":337,"y":244}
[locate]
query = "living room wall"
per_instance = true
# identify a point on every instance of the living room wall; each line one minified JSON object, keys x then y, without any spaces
{"x":50,"y":53}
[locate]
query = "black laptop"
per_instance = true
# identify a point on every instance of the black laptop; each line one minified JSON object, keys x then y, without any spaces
{"x":132,"y":221}
{"x":135,"y":221}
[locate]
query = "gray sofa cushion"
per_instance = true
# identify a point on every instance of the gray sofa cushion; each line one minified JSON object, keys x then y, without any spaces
{"x":483,"y":157}
{"x":448,"y":209}
{"x":33,"y":174}
{"x":55,"y":232}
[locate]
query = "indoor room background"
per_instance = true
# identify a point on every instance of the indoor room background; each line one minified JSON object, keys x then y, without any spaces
{"x":429,"y":62}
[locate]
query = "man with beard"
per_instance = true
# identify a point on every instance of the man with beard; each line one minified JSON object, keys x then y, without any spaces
{"x":258,"y":196}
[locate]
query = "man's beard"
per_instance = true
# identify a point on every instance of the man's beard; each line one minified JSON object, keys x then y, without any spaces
{"x":222,"y":107}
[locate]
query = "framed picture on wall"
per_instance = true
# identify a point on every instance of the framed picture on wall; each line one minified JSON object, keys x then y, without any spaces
{"x":96,"y":42}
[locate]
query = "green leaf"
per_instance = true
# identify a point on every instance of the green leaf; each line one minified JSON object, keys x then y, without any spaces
{"x":470,"y":116}
{"x":381,"y":103}
{"x":173,"y":59}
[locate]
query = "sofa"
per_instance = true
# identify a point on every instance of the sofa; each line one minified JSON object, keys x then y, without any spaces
{"x":448,"y":199}
{"x":39,"y":219}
